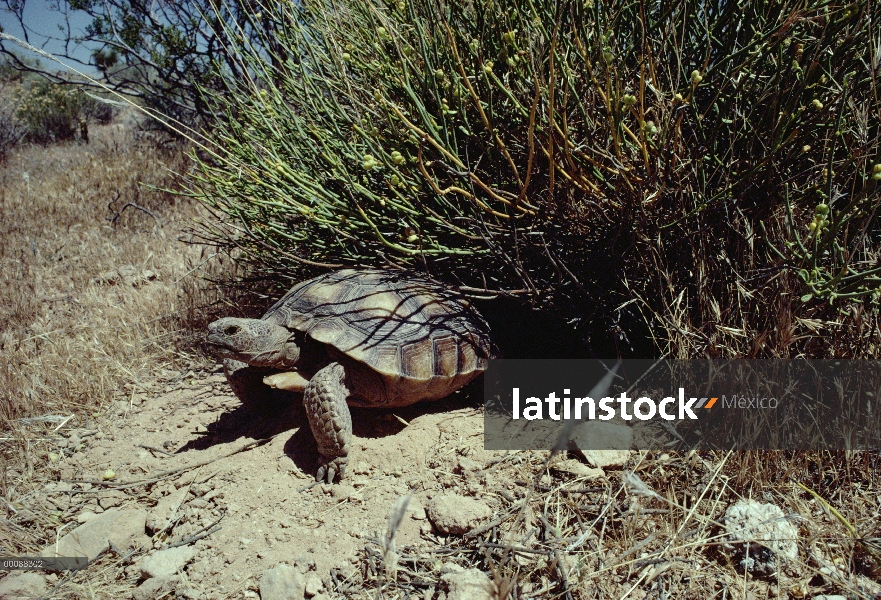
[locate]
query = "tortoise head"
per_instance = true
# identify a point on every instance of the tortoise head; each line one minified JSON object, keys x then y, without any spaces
{"x":254,"y":341}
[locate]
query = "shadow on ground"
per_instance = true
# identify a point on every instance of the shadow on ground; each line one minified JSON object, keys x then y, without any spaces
{"x":283,"y":411}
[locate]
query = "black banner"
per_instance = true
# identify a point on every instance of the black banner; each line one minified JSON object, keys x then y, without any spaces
{"x":684,"y":404}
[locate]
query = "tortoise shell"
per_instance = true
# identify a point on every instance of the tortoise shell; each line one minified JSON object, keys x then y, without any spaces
{"x":399,"y":325}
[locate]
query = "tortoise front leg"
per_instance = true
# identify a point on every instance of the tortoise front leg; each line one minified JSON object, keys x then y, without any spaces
{"x":246,"y":381}
{"x":329,"y":419}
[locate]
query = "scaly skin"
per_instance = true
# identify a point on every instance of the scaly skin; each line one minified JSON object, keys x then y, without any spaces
{"x":329,"y":419}
{"x":246,"y":381}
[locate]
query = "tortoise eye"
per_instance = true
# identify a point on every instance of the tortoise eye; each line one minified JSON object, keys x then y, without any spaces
{"x":231,"y":330}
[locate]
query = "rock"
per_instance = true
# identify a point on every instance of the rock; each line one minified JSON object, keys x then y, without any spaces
{"x":602,"y":459}
{"x":166,"y":563}
{"x":747,"y":522}
{"x":313,"y":584}
{"x":603,"y":444}
{"x":153,"y":588}
{"x":454,"y":514}
{"x":23,"y":584}
{"x":342,"y":491}
{"x":472,"y":584}
{"x":164,"y":509}
{"x":282,"y":582}
{"x":577,"y":468}
{"x":826,"y":597}
{"x":125,"y":528}
{"x":85,"y":516}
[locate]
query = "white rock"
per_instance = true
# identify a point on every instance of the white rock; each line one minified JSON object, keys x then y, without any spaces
{"x":125,"y":528}
{"x":85,"y":516}
{"x":577,"y":468}
{"x":472,"y":584}
{"x":827,"y":597}
{"x":602,"y":459}
{"x":282,"y":582}
{"x":313,"y":584}
{"x":454,"y":514}
{"x":166,"y":563}
{"x":763,"y":530}
{"x":23,"y":585}
{"x":603,"y":444}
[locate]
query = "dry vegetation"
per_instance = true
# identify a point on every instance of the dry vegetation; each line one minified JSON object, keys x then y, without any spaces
{"x":99,"y":301}
{"x":654,"y":532}
{"x":73,"y":333}
{"x":94,"y":294}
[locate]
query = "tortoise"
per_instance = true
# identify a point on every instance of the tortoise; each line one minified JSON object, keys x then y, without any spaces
{"x":360,"y":337}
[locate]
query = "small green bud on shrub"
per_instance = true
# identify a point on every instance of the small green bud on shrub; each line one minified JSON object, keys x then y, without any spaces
{"x":368,"y":162}
{"x":822,"y":209}
{"x":696,"y":77}
{"x":817,"y":104}
{"x":398,"y":158}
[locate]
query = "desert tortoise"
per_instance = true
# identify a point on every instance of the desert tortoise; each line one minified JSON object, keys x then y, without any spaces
{"x":360,"y":337}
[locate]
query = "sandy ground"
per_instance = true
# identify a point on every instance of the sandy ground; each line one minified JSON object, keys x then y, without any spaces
{"x":269,"y":513}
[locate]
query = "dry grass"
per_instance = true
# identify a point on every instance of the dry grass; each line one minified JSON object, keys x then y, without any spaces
{"x":96,"y":300}
{"x":652,"y":533}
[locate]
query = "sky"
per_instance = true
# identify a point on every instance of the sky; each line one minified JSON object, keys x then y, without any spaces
{"x":42,"y":22}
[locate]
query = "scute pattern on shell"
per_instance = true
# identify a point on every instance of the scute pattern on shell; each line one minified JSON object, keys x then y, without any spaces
{"x":399,"y":325}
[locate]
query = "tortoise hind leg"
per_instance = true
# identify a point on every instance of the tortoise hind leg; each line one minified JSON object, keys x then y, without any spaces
{"x":329,"y":419}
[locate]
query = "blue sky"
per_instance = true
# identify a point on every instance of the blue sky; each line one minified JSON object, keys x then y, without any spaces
{"x":42,"y":22}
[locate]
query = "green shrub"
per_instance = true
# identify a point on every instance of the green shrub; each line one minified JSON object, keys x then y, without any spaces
{"x":51,"y":113}
{"x":623,"y":163}
{"x":10,"y":132}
